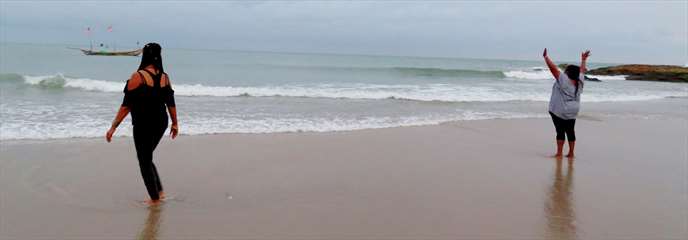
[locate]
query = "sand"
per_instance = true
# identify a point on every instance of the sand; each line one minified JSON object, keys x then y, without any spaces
{"x":488,"y":179}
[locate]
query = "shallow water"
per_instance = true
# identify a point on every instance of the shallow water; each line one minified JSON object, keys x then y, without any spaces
{"x":49,"y":91}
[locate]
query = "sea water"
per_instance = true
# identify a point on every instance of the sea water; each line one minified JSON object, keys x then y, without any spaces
{"x":51,"y":91}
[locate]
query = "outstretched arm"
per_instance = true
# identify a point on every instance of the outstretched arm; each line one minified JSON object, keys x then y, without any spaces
{"x":584,"y":59}
{"x":552,"y":67}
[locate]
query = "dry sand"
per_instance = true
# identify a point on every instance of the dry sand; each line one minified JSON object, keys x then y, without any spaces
{"x":488,"y":179}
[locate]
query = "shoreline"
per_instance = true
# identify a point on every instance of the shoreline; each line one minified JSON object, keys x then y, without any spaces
{"x":239,"y":134}
{"x":594,"y":115}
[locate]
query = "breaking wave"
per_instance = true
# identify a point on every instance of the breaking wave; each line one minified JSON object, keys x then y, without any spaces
{"x":418,"y":92}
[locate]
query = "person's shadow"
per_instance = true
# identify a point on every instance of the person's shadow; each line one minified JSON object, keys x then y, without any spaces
{"x":559,"y":207}
{"x":152,"y":225}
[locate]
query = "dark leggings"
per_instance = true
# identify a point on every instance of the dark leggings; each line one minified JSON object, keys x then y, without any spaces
{"x":146,"y":139}
{"x":564,"y":126}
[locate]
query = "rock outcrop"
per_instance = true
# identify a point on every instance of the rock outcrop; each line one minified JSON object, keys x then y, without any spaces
{"x":664,"y":73}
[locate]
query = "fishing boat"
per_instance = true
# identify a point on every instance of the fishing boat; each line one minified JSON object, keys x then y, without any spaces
{"x":104,"y":48}
{"x":112,"y":53}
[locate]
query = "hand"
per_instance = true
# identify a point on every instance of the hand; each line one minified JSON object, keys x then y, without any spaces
{"x":108,"y":135}
{"x":174,"y":130}
{"x":585,"y":55}
{"x":544,"y":54}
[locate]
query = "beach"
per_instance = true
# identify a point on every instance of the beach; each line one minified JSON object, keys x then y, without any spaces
{"x":362,"y":120}
{"x":484,"y":179}
{"x":324,"y":146}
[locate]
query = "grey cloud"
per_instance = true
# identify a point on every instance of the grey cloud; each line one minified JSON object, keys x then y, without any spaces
{"x":653,"y":32}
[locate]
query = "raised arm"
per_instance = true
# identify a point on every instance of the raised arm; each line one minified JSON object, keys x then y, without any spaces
{"x":552,"y":67}
{"x":584,"y":59}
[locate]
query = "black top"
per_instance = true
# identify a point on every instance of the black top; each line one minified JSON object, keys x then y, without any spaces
{"x":146,"y":103}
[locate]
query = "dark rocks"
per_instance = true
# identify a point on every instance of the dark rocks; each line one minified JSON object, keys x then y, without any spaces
{"x":664,"y":73}
{"x":592,"y":79}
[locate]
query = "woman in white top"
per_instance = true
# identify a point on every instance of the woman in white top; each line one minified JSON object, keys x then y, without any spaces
{"x":564,"y":103}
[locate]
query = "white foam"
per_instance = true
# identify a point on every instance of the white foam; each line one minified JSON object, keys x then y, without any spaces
{"x":606,"y":78}
{"x":425,"y":92}
{"x":538,"y":73}
{"x":518,"y":74}
{"x":198,"y":126}
{"x":59,"y":80}
{"x":421,"y":92}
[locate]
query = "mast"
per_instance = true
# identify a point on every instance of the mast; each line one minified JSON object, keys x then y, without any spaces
{"x":109,"y":29}
{"x":90,"y":38}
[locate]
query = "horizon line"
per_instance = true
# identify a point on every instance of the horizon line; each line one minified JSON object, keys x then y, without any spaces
{"x":346,"y":54}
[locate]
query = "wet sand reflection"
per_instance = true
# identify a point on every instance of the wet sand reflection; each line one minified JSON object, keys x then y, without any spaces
{"x":152,"y":225}
{"x":559,"y":208}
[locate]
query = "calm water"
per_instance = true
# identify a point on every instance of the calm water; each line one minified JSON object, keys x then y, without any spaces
{"x":55,"y":92}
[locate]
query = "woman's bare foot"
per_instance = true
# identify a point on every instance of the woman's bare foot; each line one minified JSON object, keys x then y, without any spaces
{"x":150,"y":202}
{"x":162,"y":195}
{"x":570,"y":155}
{"x":557,"y":155}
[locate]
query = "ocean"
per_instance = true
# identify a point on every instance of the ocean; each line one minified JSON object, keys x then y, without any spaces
{"x":52,"y":92}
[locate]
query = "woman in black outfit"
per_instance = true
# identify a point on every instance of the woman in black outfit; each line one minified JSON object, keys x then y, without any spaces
{"x":146,"y":94}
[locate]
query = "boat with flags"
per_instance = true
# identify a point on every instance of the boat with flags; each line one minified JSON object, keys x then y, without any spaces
{"x":111,"y":53}
{"x":105,"y":49}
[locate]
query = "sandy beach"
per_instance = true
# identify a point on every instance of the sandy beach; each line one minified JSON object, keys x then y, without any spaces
{"x":489,"y":179}
{"x":339,"y":120}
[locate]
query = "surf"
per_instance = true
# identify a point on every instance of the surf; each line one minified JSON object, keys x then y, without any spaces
{"x":423,"y":92}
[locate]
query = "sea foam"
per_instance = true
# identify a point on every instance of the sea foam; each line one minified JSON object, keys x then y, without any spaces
{"x":200,"y":126}
{"x":419,"y":92}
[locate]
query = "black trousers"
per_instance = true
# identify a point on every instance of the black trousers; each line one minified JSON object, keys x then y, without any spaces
{"x":146,"y":138}
{"x":564,"y":126}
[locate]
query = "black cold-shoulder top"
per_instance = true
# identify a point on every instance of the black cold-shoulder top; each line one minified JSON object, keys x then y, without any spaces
{"x":146,"y":103}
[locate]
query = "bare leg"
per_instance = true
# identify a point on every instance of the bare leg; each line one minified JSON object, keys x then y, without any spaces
{"x":560,"y":148}
{"x":559,"y":127}
{"x":572,"y":145}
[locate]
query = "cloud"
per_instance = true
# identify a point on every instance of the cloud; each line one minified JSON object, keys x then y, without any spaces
{"x":616,"y":31}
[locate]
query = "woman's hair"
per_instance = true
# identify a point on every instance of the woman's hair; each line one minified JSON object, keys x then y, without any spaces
{"x":151,"y":56}
{"x":573,"y":72}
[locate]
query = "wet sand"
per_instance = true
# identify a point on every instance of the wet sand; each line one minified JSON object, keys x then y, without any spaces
{"x":488,"y":179}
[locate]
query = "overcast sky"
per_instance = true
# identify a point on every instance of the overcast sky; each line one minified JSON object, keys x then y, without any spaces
{"x":622,"y":32}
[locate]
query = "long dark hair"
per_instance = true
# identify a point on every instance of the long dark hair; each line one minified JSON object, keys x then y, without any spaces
{"x":151,"y":56}
{"x":573,"y":72}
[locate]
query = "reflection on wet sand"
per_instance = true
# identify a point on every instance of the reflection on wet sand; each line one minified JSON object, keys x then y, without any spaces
{"x":150,"y":229}
{"x":559,"y":208}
